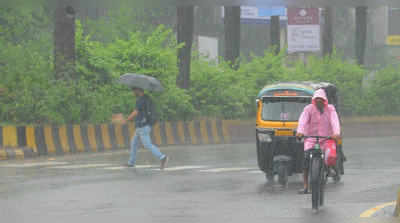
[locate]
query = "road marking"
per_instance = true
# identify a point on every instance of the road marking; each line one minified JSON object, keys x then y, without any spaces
{"x":34,"y":164}
{"x":126,"y":167}
{"x":184,"y":168}
{"x":220,"y":170}
{"x":81,"y":166}
{"x":255,"y":171}
{"x":116,"y":168}
{"x":145,"y":166}
{"x":369,"y":213}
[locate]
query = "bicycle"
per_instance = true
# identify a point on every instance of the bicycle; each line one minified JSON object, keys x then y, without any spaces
{"x":318,"y":172}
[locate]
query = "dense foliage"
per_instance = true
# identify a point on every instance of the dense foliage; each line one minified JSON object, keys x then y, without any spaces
{"x":29,"y":93}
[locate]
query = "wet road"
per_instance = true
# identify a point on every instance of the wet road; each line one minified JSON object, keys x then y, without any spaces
{"x":219,"y":183}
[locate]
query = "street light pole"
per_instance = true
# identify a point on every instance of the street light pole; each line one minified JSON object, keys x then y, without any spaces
{"x":275,"y":34}
{"x":64,"y":40}
{"x":361,"y":33}
{"x":327,"y":43}
{"x":185,"y":29}
{"x":232,"y":35}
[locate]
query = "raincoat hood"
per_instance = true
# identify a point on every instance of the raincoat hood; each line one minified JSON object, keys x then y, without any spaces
{"x":320,"y":93}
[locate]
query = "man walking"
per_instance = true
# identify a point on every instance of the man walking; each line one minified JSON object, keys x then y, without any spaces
{"x":143,"y":122}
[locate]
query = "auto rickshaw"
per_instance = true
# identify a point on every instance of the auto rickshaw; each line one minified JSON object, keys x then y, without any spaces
{"x":279,"y":107}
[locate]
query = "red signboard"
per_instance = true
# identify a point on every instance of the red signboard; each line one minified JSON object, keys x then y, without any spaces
{"x":303,"y":16}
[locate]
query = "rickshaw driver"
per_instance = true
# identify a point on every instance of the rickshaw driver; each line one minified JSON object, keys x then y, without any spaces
{"x":317,"y":119}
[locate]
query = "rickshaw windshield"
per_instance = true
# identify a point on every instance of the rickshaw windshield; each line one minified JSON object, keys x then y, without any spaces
{"x":283,"y":108}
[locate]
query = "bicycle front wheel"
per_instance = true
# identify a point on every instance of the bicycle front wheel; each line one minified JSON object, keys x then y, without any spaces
{"x":316,"y":182}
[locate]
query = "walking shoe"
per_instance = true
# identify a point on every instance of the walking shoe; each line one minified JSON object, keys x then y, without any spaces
{"x":303,"y":191}
{"x":164,"y":163}
{"x":129,"y":165}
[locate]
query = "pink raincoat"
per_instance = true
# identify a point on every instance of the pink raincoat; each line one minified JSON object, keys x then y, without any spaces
{"x":313,"y":123}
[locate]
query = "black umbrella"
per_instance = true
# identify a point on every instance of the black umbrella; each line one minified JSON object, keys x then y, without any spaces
{"x":141,"y":81}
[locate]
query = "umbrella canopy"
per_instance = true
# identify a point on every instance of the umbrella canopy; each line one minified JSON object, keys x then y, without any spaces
{"x":141,"y":81}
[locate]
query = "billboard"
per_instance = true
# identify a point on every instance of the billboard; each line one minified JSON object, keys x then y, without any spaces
{"x":304,"y":33}
{"x":393,"y":39}
{"x":260,"y":15}
{"x":208,"y":47}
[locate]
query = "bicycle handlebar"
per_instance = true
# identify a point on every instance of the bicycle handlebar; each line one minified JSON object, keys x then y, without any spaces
{"x":318,"y":137}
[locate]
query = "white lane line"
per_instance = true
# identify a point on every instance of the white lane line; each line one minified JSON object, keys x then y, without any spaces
{"x":145,"y":166}
{"x":220,"y":170}
{"x":34,"y":164}
{"x":255,"y":172}
{"x":81,"y":166}
{"x":125,"y":167}
{"x":177,"y":168}
{"x":116,"y":168}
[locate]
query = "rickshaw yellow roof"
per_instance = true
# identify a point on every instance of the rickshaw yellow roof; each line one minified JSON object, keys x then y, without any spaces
{"x":308,"y":87}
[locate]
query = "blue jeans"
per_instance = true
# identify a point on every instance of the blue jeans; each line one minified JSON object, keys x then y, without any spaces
{"x":144,"y":135}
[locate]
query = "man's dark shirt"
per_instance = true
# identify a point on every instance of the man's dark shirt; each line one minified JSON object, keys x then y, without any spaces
{"x":141,"y":120}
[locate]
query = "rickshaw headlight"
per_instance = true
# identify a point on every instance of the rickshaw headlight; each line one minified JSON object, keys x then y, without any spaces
{"x":264,"y":137}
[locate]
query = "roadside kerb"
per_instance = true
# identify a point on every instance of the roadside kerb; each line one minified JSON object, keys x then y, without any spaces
{"x":21,"y":142}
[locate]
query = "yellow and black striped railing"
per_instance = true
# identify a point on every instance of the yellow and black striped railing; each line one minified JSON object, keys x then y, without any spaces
{"x":19,"y":142}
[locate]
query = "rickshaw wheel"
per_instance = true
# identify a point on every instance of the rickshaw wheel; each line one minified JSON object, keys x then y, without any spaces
{"x":269,"y":176}
{"x":262,"y":157}
{"x":283,"y":174}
